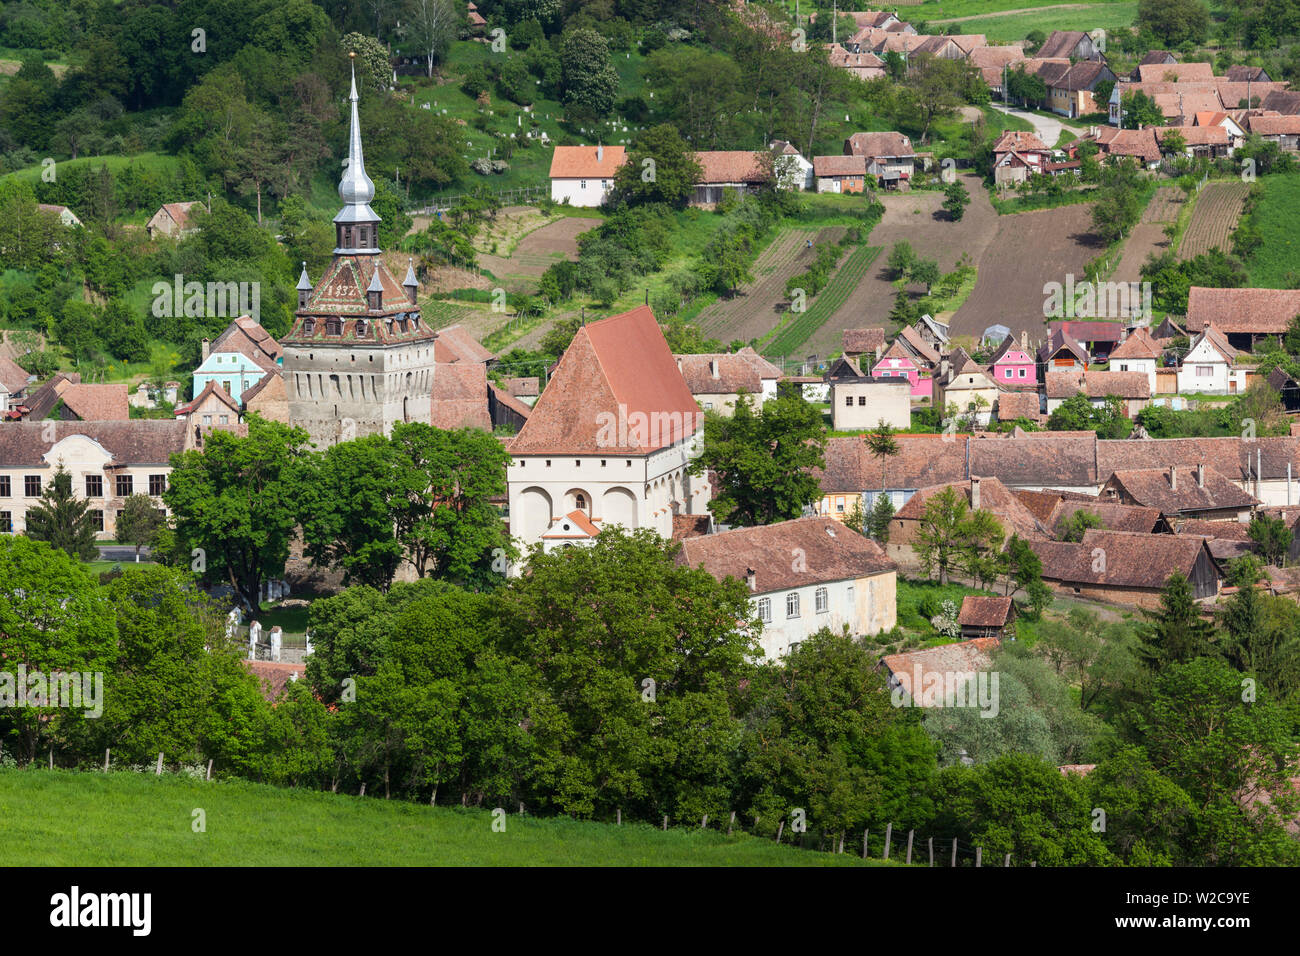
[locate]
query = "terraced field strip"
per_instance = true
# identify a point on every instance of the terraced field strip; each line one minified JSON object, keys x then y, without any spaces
{"x":1164,"y":205}
{"x":758,"y":307}
{"x":836,"y":293}
{"x":1217,"y":210}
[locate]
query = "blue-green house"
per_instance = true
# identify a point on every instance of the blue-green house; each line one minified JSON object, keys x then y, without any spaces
{"x":238,"y":359}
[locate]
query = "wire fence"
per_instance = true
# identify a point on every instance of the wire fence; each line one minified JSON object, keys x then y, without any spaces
{"x":517,"y":195}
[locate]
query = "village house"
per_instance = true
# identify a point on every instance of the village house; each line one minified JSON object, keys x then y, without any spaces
{"x":791,"y":168}
{"x":1111,"y":142}
{"x":1236,"y":135}
{"x":865,"y":65}
{"x":459,"y":396}
{"x":1069,"y":91}
{"x":803,"y":575}
{"x":108,"y":461}
{"x":1109,"y":515}
{"x":66,"y":398}
{"x":840,"y":174}
{"x":1202,"y":493}
{"x":1245,"y":317}
{"x":584,"y":175}
{"x":963,"y":383}
{"x":67,"y":217}
{"x":890,"y":156}
{"x":1139,"y":352}
{"x":1060,"y":461}
{"x":1227,"y":540}
{"x":1070,"y":44}
{"x":1061,"y":352}
{"x":238,"y":358}
{"x":1247,"y":74}
{"x":173,"y":220}
{"x":897,"y":362}
{"x":718,"y":379}
{"x":1017,"y":155}
{"x":736,"y":169}
{"x":1027,"y":405}
{"x":1156,"y":57}
{"x":1266,"y":468}
{"x":1125,"y":568}
{"x":1282,"y":130}
{"x":268,"y":398}
{"x":985,"y":617}
{"x":931,"y":332}
{"x":1132,"y":388}
{"x":920,"y":346}
{"x":14,"y":380}
{"x":860,"y":401}
{"x":1097,"y":337}
{"x":1287,"y":387}
{"x":1209,"y":365}
{"x":994,"y":62}
{"x":610,"y":439}
{"x":981,"y":494}
{"x":1012,"y":365}
{"x":853,"y":477}
{"x":211,"y":408}
{"x":859,"y":342}
{"x":1208,"y":142}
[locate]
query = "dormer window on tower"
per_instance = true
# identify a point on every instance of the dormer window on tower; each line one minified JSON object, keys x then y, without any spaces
{"x":361,"y":328}
{"x":308,"y":326}
{"x":333,"y":326}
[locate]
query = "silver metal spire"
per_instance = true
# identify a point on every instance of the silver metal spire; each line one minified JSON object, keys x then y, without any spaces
{"x":356,"y":189}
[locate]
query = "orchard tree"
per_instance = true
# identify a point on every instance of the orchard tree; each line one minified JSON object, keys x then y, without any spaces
{"x":955,"y":200}
{"x":660,"y":168}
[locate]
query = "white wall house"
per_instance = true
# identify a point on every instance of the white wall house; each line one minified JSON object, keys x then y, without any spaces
{"x":584,"y":175}
{"x":796,"y":574}
{"x":864,"y":404}
{"x":1208,"y":366}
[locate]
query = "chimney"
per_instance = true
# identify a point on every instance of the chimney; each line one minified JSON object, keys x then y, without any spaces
{"x":1024,"y":340}
{"x":974,"y":493}
{"x":1173,"y":477}
{"x":1200,"y":475}
{"x":204,"y":348}
{"x":751,"y":578}
{"x":679,"y":365}
{"x":600,"y":154}
{"x":877,"y":353}
{"x":713,"y":366}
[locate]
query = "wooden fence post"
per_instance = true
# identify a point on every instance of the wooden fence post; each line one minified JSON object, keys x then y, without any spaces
{"x":731,"y":823}
{"x":865,"y":834}
{"x":107,"y":752}
{"x":618,"y":816}
{"x":1007,"y":861}
{"x":979,"y":856}
{"x":665,"y":821}
{"x":779,"y":830}
{"x":954,"y":851}
{"x":158,"y":770}
{"x":51,"y":758}
{"x":889,"y":835}
{"x":363,"y":788}
{"x":909,"y":846}
{"x":932,"y":851}
{"x":704,"y":824}
{"x":210,"y":770}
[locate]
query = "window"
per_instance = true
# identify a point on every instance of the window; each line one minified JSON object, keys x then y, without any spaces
{"x":764,"y":608}
{"x":125,"y":486}
{"x":223,"y":419}
{"x":97,"y":519}
{"x":580,"y":501}
{"x":582,"y":184}
{"x":32,"y":486}
{"x":5,"y":490}
{"x":333,"y":327}
{"x":823,"y":600}
{"x":1022,"y":373}
{"x":792,"y":604}
{"x":207,"y":419}
{"x":6,"y":522}
{"x":1123,"y":366}
{"x":157,"y":484}
{"x":94,"y":486}
{"x":1204,"y":371}
{"x":862,"y":400}
{"x":848,"y":400}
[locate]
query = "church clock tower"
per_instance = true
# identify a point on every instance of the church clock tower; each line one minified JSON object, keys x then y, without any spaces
{"x":359,"y":357}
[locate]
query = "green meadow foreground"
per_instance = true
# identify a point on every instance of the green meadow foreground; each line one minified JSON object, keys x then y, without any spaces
{"x":61,"y":818}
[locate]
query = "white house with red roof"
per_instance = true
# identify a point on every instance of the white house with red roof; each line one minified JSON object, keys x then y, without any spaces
{"x":584,"y":175}
{"x":609,"y":440}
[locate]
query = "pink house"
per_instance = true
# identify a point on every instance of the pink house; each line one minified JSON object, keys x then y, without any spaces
{"x":1013,"y":366}
{"x":897,"y":363}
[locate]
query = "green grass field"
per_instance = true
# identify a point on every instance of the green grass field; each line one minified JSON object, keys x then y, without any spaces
{"x":1007,"y":29}
{"x":1278,"y":253}
{"x":63,"y":818}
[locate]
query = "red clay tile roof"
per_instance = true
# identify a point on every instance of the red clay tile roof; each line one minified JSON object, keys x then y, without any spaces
{"x":918,"y":346}
{"x":1196,"y":135}
{"x":1013,"y":405}
{"x":1061,"y":43}
{"x":980,"y":611}
{"x":580,"y":162}
{"x":1175,"y":72}
{"x":96,"y":403}
{"x":732,"y":166}
{"x":690,"y":526}
{"x":1131,"y":560}
{"x":1275,"y":125}
{"x":212,"y":389}
{"x":275,"y":676}
{"x":1139,"y":345}
{"x":1113,"y":516}
{"x":828,"y":551}
{"x":736,"y":373}
{"x":959,"y":658}
{"x":1088,"y":330}
{"x":1257,"y":311}
{"x":1150,"y":487}
{"x":616,"y":370}
{"x":523,"y":387}
{"x":1070,"y":382}
{"x":826,"y":166}
{"x":575,"y":524}
{"x":995,"y":498}
{"x":142,"y":441}
{"x":1019,"y":141}
{"x":458,"y":398}
{"x":874,"y":145}
{"x":922,"y":461}
{"x":1046,"y":460}
{"x":1232,"y":457}
{"x":455,"y":343}
{"x":14,"y":377}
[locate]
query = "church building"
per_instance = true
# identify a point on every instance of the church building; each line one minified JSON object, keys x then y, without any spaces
{"x":359,"y":357}
{"x":609,"y":440}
